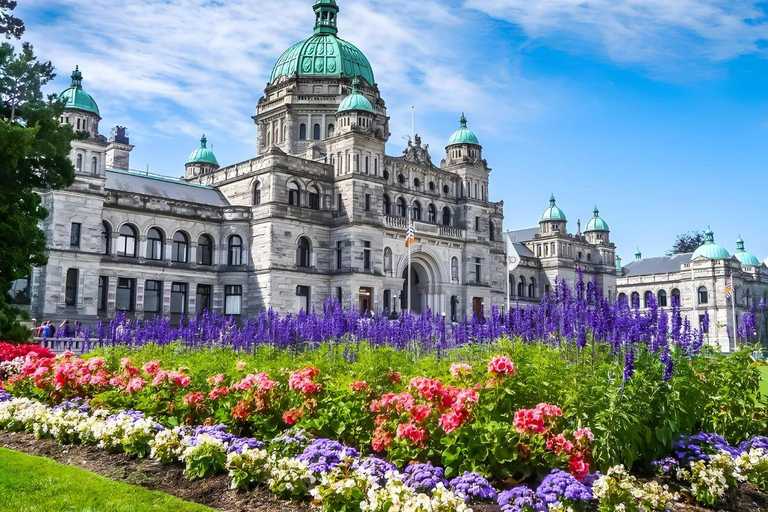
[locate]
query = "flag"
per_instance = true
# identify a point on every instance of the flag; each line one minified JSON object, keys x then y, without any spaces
{"x":409,"y":236}
{"x":729,"y":287}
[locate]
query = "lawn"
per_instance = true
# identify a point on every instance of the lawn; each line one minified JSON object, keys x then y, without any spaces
{"x":764,"y":383}
{"x":30,"y":483}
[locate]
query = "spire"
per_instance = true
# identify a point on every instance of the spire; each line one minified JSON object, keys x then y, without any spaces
{"x":740,"y":245}
{"x":326,"y":12}
{"x":77,"y":77}
{"x":356,"y":85}
{"x":463,"y":121}
{"x":709,"y":235}
{"x":203,"y":141}
{"x":596,"y":212}
{"x":552,"y":200}
{"x":638,"y":254}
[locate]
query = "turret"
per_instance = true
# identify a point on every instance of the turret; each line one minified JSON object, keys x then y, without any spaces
{"x":597,"y":231}
{"x":119,"y":149}
{"x":553,"y":219}
{"x":201,"y":160}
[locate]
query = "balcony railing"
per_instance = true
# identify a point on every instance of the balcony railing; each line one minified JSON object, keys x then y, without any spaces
{"x":423,"y":228}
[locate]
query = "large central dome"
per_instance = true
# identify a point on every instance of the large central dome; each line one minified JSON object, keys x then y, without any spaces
{"x":324,"y":54}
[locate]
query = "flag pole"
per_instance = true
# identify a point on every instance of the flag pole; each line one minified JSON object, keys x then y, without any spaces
{"x":413,"y":123}
{"x":409,"y":242}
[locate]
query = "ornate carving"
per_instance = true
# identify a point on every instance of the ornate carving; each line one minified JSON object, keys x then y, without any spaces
{"x":417,"y":154}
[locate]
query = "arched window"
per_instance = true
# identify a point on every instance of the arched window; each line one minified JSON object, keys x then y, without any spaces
{"x":235,"y":251}
{"x":180,"y":248}
{"x":492,"y":230}
{"x":703,"y":295}
{"x":126,"y":242}
{"x":446,"y":216}
{"x":521,"y":287}
{"x":454,"y":268}
{"x":416,"y":182}
{"x":402,"y":207}
{"x":416,"y":210}
{"x":431,"y":186}
{"x":622,"y":297}
{"x":304,"y":252}
{"x":154,"y":244}
{"x":314,"y":198}
{"x":79,"y":163}
{"x":294,"y":195}
{"x":257,"y":193}
{"x":662,"y":298}
{"x":635,"y":303}
{"x":386,"y":205}
{"x":401,"y":178}
{"x":387,"y":261}
{"x":302,"y":131}
{"x":532,"y":288}
{"x":106,"y":238}
{"x":94,"y":165}
{"x":431,"y":213}
{"x":675,"y":297}
{"x":205,"y":250}
{"x":316,"y":132}
{"x":330,"y":130}
{"x":647,"y":299}
{"x":512,"y":282}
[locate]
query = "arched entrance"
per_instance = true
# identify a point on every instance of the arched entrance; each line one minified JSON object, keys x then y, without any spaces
{"x":419,"y":279}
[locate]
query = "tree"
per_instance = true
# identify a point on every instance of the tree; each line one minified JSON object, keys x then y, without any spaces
{"x":34,"y":156}
{"x":10,"y":26}
{"x":687,"y":242}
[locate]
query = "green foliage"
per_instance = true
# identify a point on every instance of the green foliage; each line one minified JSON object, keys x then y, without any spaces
{"x":687,"y":242}
{"x":10,"y":26}
{"x":38,"y":484}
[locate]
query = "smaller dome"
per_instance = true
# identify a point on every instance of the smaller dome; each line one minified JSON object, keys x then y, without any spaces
{"x":638,"y":254}
{"x":463,"y":135}
{"x":553,"y":212}
{"x":203,"y":155}
{"x":355,"y":100}
{"x":75,"y":97}
{"x":596,"y":223}
{"x":710,"y":249}
{"x":746,"y":259}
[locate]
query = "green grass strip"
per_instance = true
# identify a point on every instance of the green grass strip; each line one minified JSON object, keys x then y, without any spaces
{"x":30,"y":483}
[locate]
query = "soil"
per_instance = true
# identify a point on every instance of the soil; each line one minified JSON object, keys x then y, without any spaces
{"x":215,"y":492}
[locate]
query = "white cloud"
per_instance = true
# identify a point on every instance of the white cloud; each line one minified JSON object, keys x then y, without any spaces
{"x":669,"y":38}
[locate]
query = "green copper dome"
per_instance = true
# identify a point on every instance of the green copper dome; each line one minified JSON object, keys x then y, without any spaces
{"x":710,"y":249}
{"x":746,"y":259}
{"x":324,"y":54}
{"x":76,"y":98}
{"x":463,"y":135}
{"x":203,"y":155}
{"x":638,"y":254}
{"x":596,"y":223}
{"x":553,"y":212}
{"x":355,"y":100}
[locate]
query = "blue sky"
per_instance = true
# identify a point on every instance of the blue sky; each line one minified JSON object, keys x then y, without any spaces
{"x":655,"y":110}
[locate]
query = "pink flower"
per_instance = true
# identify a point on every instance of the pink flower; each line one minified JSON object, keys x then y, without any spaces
{"x":218,"y":393}
{"x":381,"y":439}
{"x":194,"y":398}
{"x":417,"y":435}
{"x":501,"y":366}
{"x":559,"y":444}
{"x":135,"y":384}
{"x":460,"y":369}
{"x":95,"y":363}
{"x":151,"y":368}
{"x":529,"y":421}
{"x":451,"y":420}
{"x":160,"y":376}
{"x":216,"y":379}
{"x":117,"y":382}
{"x":359,"y":385}
{"x":293,"y":415}
{"x":301,"y":380}
{"x":579,"y":469}
{"x":420,"y":413}
{"x":401,"y":402}
{"x":583,"y":433}
{"x":427,"y":388}
{"x":124,"y":362}
{"x":179,"y":379}
{"x":549,"y":410}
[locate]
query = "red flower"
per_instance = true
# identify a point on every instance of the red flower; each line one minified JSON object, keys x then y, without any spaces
{"x":394,"y":377}
{"x":427,"y":388}
{"x":218,"y":393}
{"x":358,"y":385}
{"x":501,"y":366}
{"x":301,"y":380}
{"x":417,"y":435}
{"x":381,"y":439}
{"x":529,"y":421}
{"x":135,"y":384}
{"x":151,"y":368}
{"x":452,"y":420}
{"x":559,"y":444}
{"x":195,"y":398}
{"x":584,"y":433}
{"x":578,"y":467}
{"x":293,"y":415}
{"x":241,"y":411}
{"x":549,"y":410}
{"x":420,"y":413}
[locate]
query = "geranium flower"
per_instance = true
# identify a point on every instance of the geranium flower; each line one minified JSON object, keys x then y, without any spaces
{"x":501,"y":366}
{"x":359,"y":385}
{"x":420,"y":412}
{"x":292,"y":415}
{"x":578,"y":467}
{"x":559,"y":444}
{"x":583,"y":433}
{"x":217,"y":393}
{"x":451,"y":420}
{"x":151,"y":368}
{"x":417,"y":435}
{"x":460,"y":369}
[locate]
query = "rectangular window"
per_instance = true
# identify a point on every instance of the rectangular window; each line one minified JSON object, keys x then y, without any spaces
{"x":366,"y":255}
{"x":126,"y":293}
{"x":478,"y":270}
{"x":103,"y":293}
{"x":366,"y":165}
{"x":339,"y":294}
{"x":314,"y":201}
{"x":233,"y":299}
{"x":477,"y":223}
{"x":338,"y":255}
{"x":701,"y":324}
{"x":203,"y":298}
{"x":74,"y":234}
{"x":178,"y":299}
{"x":153,"y":298}
{"x":387,"y":299}
{"x":338,"y":202}
{"x":367,"y":202}
{"x":70,"y":294}
{"x":302,"y":298}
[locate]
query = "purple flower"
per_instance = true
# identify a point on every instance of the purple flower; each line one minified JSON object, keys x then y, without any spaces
{"x":755,"y":442}
{"x":520,"y":499}
{"x":323,"y":455}
{"x":666,"y":465}
{"x":238,"y":444}
{"x":5,"y":396}
{"x":424,"y":477}
{"x":375,"y":467}
{"x":473,"y":488}
{"x":699,"y":447}
{"x":289,"y":444}
{"x":559,"y":486}
{"x":629,"y":364}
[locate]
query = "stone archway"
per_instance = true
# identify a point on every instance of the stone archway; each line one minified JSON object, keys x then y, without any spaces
{"x":425,"y":281}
